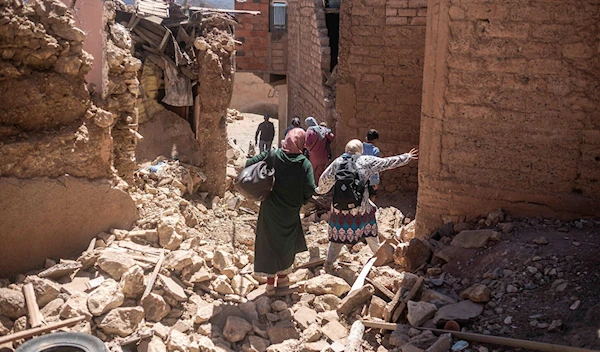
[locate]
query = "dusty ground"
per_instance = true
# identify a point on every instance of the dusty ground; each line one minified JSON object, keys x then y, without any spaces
{"x":242,"y":131}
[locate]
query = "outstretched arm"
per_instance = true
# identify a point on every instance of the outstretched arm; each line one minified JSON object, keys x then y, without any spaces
{"x":327,"y":179}
{"x":375,"y":164}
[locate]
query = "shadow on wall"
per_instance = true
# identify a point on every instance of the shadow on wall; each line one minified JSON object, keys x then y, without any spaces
{"x":262,"y":109}
{"x":251,"y":94}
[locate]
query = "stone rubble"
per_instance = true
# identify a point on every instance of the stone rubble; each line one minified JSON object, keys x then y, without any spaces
{"x":206,"y":297}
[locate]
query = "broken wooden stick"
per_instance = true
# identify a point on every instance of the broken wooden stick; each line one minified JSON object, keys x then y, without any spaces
{"x":494,"y":340}
{"x":379,"y":287}
{"x":150,"y":285}
{"x":411,"y":294}
{"x":38,"y":331}
{"x":311,"y":264}
{"x":355,"y":338}
{"x":389,"y":309}
{"x":92,"y":245}
{"x":360,"y":280}
{"x":35,"y":316}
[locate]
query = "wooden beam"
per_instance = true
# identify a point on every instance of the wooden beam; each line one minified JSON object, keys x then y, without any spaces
{"x":360,"y":280}
{"x":151,"y":35}
{"x":355,"y":338}
{"x":411,"y":294}
{"x":38,"y":331}
{"x":161,"y":259}
{"x":378,"y":286}
{"x":311,"y":264}
{"x":241,"y":12}
{"x":150,"y":41}
{"x":389,"y":309}
{"x":35,"y":316}
{"x":163,"y":43}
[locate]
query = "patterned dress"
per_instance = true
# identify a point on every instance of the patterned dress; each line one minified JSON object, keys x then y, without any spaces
{"x":351,"y":226}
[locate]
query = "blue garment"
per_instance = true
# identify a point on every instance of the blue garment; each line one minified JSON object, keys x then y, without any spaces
{"x":370,"y":149}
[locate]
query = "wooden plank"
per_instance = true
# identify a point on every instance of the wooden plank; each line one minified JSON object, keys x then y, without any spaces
{"x":163,"y":43}
{"x":389,"y":309}
{"x":241,"y":12}
{"x":494,"y":340}
{"x":161,"y":259}
{"x":355,"y":338}
{"x":92,"y":245}
{"x":155,"y":37}
{"x":378,"y":286}
{"x":360,"y":280}
{"x":311,"y":264}
{"x":35,"y":316}
{"x":150,"y":41}
{"x":411,"y":294}
{"x":38,"y":331}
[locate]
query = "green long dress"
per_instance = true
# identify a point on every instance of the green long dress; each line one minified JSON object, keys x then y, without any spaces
{"x":279,"y":234}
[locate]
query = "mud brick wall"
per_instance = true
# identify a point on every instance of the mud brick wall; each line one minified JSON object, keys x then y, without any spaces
{"x":510,"y":110}
{"x":253,"y":32}
{"x":308,"y":58}
{"x":382,"y":46}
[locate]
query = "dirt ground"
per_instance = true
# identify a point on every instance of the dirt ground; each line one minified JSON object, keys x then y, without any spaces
{"x":242,"y":131}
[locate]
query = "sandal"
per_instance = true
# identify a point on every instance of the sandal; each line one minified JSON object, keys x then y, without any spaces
{"x":283,"y":282}
{"x":270,"y":290}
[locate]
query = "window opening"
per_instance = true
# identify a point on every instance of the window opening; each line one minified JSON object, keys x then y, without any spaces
{"x":278,"y":17}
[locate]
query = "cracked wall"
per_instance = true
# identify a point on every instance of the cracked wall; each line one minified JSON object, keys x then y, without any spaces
{"x":56,"y":178}
{"x":510,"y":110}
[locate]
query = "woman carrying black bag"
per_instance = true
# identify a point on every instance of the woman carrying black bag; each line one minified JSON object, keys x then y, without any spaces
{"x":279,"y":234}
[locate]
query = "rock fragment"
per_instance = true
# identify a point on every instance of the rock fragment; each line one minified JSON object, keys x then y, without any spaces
{"x":105,"y":297}
{"x":122,"y":321}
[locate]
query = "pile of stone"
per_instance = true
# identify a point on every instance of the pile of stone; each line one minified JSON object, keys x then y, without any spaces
{"x":233,"y":115}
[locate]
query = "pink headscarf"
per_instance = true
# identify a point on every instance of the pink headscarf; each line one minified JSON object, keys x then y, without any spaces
{"x":294,"y":141}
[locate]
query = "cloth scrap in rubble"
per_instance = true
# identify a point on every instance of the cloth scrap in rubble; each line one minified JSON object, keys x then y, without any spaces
{"x":178,"y":88}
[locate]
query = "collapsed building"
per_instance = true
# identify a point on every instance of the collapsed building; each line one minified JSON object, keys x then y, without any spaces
{"x":73,"y":127}
{"x":490,"y":91}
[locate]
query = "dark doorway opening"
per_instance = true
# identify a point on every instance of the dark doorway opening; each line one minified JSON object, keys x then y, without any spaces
{"x":333,"y":28}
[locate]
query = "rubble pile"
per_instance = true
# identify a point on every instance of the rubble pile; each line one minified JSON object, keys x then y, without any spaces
{"x":182,"y":280}
{"x":233,"y":114}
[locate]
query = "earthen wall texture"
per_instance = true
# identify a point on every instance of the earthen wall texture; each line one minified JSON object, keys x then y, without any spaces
{"x":253,"y":32}
{"x":308,"y":61}
{"x":382,"y":46}
{"x":510,"y":110}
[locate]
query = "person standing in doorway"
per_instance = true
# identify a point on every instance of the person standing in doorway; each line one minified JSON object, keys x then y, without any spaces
{"x":369,"y":148}
{"x":316,"y":145}
{"x":266,"y":130}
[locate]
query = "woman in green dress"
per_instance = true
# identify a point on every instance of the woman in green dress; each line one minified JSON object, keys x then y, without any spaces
{"x":279,"y":233}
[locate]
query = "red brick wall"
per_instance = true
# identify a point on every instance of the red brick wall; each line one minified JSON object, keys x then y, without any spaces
{"x":308,"y":61}
{"x":510,"y":110}
{"x":253,"y":32}
{"x":382,"y":45}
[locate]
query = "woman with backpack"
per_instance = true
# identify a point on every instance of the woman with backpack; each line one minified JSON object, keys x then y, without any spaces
{"x":352,"y":216}
{"x":317,"y":138}
{"x":279,"y":233}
